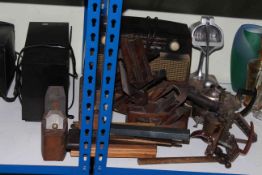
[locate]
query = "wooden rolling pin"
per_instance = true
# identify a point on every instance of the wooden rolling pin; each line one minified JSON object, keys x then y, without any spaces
{"x":125,"y":151}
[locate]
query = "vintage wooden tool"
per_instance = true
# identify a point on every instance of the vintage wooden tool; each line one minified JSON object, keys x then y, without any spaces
{"x":54,"y":124}
{"x":125,"y":151}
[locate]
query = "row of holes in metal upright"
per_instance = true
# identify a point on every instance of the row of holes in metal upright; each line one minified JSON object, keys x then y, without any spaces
{"x":91,"y":67}
{"x":108,"y":82}
{"x":88,"y":99}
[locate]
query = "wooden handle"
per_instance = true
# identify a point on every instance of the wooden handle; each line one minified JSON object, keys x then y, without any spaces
{"x":125,"y":151}
{"x":168,"y":160}
{"x":139,"y":141}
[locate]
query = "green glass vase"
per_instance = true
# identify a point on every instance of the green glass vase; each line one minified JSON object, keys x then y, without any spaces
{"x":246,"y":47}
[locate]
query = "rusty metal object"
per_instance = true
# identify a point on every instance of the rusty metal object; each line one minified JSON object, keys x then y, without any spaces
{"x":218,"y":108}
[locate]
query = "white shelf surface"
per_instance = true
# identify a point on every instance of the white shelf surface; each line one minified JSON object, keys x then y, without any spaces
{"x":21,"y":144}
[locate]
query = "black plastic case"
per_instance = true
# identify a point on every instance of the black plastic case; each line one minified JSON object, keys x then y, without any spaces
{"x":43,"y":66}
{"x":7,"y":56}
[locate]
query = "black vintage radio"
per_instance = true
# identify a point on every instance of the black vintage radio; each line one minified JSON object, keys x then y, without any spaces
{"x":7,"y":57}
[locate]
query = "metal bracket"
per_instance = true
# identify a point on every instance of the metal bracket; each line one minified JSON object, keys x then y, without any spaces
{"x":89,"y":86}
{"x":108,"y":83}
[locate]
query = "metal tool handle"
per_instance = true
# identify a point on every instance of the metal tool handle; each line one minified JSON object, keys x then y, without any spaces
{"x":203,"y":102}
{"x":199,"y":71}
{"x":253,"y":94}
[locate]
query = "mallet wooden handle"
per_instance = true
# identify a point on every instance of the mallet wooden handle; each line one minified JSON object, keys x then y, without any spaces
{"x":138,"y":141}
{"x":125,"y":151}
